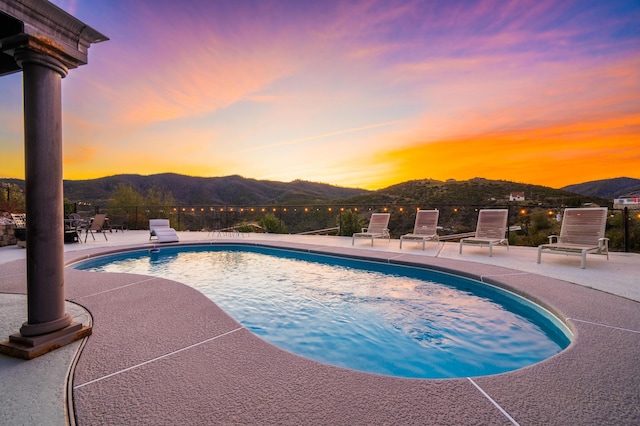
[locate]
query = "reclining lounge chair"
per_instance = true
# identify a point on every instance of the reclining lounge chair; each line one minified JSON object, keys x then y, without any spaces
{"x":490,"y":230}
{"x":425,"y":228}
{"x":582,"y":232}
{"x":161,"y":229}
{"x":377,"y":228}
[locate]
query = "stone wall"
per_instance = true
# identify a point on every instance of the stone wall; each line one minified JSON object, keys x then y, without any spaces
{"x":7,"y":235}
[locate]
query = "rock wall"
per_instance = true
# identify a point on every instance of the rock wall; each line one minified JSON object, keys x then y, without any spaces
{"x":7,"y":235}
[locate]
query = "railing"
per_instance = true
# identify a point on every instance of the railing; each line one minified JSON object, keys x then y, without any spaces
{"x":536,"y":222}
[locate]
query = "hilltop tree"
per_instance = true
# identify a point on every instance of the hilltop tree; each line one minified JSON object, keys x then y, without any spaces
{"x":158,"y":202}
{"x":157,"y":198}
{"x":123,"y":198}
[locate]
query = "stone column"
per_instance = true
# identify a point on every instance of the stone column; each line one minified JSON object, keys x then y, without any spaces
{"x":44,"y":42}
{"x":48,"y":326}
{"x":42,"y":76}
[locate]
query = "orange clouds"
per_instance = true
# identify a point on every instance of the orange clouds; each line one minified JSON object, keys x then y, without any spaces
{"x":553,"y":156}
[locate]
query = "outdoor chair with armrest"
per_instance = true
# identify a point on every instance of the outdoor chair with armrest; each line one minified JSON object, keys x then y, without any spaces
{"x":425,"y":228}
{"x":96,"y":225}
{"x":377,"y":228}
{"x":490,"y":230}
{"x":582,"y":232}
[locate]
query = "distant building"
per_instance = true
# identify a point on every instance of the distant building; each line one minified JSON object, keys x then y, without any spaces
{"x":516,"y":196}
{"x":629,"y":201}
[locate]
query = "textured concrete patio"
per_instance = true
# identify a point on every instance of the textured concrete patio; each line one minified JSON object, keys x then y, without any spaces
{"x":162,"y":353}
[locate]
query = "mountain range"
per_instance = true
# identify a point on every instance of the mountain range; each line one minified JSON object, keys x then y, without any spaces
{"x":237,"y":190}
{"x":191,"y":190}
{"x":607,"y":188}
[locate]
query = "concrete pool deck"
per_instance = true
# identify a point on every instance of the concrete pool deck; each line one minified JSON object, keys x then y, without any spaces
{"x":162,"y":353}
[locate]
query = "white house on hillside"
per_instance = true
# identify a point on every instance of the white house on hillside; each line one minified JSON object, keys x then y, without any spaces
{"x":516,"y":196}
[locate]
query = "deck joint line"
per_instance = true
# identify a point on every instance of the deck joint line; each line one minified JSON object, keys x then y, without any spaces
{"x":512,"y":274}
{"x":115,"y":288}
{"x":157,"y":358}
{"x":604,"y":325}
{"x":486,"y":395}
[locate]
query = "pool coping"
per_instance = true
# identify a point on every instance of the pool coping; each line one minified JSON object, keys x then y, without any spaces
{"x":167,"y":365}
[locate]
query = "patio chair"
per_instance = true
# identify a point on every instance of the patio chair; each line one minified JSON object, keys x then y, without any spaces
{"x":425,"y":228}
{"x":582,"y":233}
{"x":96,"y":225}
{"x":73,"y":227}
{"x":118,"y":222}
{"x":377,"y":228}
{"x":162,"y":230}
{"x":490,"y":230}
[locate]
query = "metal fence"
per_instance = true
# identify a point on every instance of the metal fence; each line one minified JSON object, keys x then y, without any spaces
{"x":535,"y":223}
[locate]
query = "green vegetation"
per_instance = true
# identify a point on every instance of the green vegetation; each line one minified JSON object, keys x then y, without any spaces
{"x":139,"y":208}
{"x":615,"y":230}
{"x":273,"y":225}
{"x":349,"y":222}
{"x":11,"y":198}
{"x":123,"y":198}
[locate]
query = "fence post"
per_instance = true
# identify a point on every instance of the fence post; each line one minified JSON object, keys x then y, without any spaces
{"x":625,"y":218}
{"x":508,"y":216}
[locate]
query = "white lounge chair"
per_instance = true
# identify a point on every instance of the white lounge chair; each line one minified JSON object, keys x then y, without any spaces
{"x":377,"y":228}
{"x":425,"y":228}
{"x":162,"y":230}
{"x":490,"y":230}
{"x":582,"y":232}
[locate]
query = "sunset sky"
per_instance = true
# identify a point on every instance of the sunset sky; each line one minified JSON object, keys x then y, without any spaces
{"x":352,"y":93}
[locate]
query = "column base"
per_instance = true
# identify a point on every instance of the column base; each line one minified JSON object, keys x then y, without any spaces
{"x":19,"y":346}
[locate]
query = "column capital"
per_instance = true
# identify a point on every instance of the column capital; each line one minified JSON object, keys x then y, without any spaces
{"x":44,"y":28}
{"x":40,"y":50}
{"x":23,"y":56}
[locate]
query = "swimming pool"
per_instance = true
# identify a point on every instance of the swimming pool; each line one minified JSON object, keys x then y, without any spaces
{"x":364,"y":315}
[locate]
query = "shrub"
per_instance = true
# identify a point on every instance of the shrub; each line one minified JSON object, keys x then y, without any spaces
{"x":273,"y":225}
{"x":349,"y":223}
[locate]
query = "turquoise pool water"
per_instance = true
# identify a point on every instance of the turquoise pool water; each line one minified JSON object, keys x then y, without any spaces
{"x":364,"y":315}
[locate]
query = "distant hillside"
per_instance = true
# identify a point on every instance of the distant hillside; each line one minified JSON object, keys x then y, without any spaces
{"x":236,"y":190}
{"x":607,"y":188}
{"x":189,"y":190}
{"x":478,"y":191}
